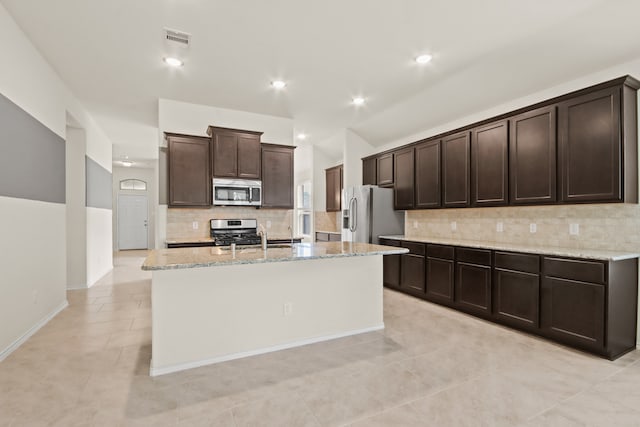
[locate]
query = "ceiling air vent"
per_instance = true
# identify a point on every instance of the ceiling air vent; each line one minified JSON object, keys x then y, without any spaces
{"x":178,"y":37}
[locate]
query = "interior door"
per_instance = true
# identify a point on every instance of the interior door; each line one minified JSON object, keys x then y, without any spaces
{"x":132,"y":221}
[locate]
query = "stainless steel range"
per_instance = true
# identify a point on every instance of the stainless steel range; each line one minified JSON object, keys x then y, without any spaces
{"x":238,"y":231}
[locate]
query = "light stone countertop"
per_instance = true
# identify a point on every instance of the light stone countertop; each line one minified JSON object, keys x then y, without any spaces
{"x":171,"y":259}
{"x":596,"y":254}
{"x":330,"y":232}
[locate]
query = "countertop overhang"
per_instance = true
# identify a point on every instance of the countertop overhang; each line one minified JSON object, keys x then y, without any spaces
{"x":595,"y":254}
{"x":179,"y":258}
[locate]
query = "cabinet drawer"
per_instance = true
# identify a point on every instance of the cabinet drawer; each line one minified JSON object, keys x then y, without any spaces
{"x":414,"y":248}
{"x":335,"y":237}
{"x":440,"y":251}
{"x":518,"y":262}
{"x":585,"y":271}
{"x":390,"y":242}
{"x":474,"y":256}
{"x":322,"y":237}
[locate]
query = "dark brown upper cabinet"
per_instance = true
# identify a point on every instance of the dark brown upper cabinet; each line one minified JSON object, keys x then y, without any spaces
{"x":489,"y":165}
{"x":455,"y":171}
{"x":592,"y":155}
{"x":427,"y":180}
{"x":532,"y":157}
{"x":403,"y":178}
{"x":385,"y":170}
{"x":333,"y":177}
{"x":369,"y":172}
{"x":277,"y":176}
{"x":188,"y":170}
{"x":236,"y":153}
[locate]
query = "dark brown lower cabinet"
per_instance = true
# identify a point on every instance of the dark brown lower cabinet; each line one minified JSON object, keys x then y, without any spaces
{"x":473,"y":280}
{"x":412,"y":268}
{"x":516,"y":289}
{"x":440,"y":273}
{"x":391,"y":266}
{"x":573,"y":311}
{"x":587,"y":304}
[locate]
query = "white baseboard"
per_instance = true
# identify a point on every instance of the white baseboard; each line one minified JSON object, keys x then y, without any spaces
{"x":196,"y":364}
{"x":17,"y":343}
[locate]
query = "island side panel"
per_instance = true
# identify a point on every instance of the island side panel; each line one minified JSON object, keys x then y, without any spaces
{"x":211,"y":314}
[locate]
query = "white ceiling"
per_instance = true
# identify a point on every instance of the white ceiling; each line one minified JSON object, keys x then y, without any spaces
{"x":485,"y":53}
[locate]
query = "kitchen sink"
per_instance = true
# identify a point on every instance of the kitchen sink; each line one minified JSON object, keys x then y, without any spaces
{"x":254,"y":247}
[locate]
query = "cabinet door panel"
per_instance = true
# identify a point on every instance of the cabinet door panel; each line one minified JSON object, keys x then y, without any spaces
{"x":489,"y":149}
{"x":369,"y":173}
{"x":248,"y":157}
{"x":277,"y":177}
{"x":333,"y":189}
{"x":384,"y":167}
{"x":573,"y":311}
{"x":532,"y":157}
{"x":403,"y":178}
{"x":455,"y":171}
{"x":473,"y":287}
{"x":412,"y":275}
{"x":439,"y":279}
{"x":225,"y":155}
{"x":427,"y":178}
{"x":188,"y":170}
{"x":391,"y":271}
{"x":590,"y":147}
{"x":516,"y":298}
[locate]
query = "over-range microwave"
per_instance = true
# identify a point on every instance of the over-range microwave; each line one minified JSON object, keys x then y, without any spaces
{"x":237,"y":192}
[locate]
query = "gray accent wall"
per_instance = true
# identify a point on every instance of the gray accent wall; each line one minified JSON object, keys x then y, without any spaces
{"x":99,"y":182}
{"x":32,"y":157}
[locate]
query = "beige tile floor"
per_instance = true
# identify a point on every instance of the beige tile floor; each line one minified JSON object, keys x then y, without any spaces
{"x":430,"y":367}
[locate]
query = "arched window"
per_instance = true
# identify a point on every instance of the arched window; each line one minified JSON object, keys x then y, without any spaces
{"x":133,"y":184}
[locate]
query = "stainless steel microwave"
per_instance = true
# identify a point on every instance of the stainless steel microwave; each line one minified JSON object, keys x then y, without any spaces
{"x":237,"y":192}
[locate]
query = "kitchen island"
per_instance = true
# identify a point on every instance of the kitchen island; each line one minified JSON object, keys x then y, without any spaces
{"x":214,"y":304}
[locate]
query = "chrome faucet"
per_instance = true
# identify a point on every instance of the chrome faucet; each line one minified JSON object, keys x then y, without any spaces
{"x":263,"y":237}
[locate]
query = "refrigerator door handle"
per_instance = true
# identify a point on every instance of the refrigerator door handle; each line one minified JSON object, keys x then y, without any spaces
{"x":353,"y":214}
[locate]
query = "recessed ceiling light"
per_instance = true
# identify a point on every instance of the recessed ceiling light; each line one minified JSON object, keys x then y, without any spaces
{"x":278,"y":84}
{"x":302,"y":136}
{"x":358,"y":100}
{"x":174,"y":62}
{"x":127,"y":163}
{"x":423,"y":59}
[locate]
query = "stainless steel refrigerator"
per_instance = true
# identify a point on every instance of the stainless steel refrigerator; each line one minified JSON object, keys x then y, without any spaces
{"x":368,"y":213}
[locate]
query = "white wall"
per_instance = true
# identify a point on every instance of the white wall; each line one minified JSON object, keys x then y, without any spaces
{"x":355,"y":148}
{"x":34,"y":281}
{"x":76,"y":148}
{"x":193,"y":119}
{"x":144,"y":174}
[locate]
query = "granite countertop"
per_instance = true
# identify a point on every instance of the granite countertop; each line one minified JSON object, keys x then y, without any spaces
{"x":596,"y":254}
{"x":171,"y":259}
{"x":327,"y":231}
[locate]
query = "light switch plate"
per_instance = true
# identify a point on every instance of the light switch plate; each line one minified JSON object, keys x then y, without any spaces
{"x":533,"y":227}
{"x":268,"y":224}
{"x":499,"y":227}
{"x":454,"y":226}
{"x":194,"y":224}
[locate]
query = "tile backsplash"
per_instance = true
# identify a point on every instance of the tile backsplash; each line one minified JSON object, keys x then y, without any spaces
{"x":614,"y":226}
{"x":326,"y":221}
{"x":180,"y":220}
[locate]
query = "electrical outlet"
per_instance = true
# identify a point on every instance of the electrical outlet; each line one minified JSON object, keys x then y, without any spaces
{"x":194,"y":224}
{"x":499,"y":227}
{"x":454,"y":226}
{"x":268,"y":224}
{"x":574,"y":229}
{"x":415,"y":224}
{"x":533,"y":227}
{"x":287,"y":309}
